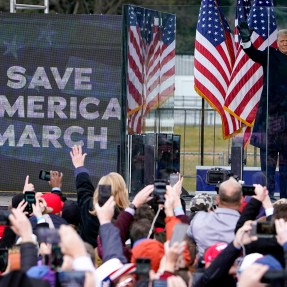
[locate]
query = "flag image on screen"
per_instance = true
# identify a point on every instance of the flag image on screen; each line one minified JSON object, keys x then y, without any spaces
{"x":150,"y":62}
{"x":60,"y":83}
{"x":214,"y":57}
{"x":246,"y":81}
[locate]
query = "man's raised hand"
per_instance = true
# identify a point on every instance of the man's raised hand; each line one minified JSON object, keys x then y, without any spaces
{"x":244,"y":32}
{"x":78,"y":158}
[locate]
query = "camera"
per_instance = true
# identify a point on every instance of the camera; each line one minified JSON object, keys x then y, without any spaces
{"x":217,"y":175}
{"x":159,"y":190}
{"x":44,"y":175}
{"x":263,"y":229}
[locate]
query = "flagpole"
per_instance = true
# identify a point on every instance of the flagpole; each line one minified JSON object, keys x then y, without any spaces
{"x":202,"y":133}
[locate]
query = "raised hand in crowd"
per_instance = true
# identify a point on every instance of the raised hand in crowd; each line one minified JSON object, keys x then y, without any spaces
{"x":22,"y":205}
{"x":267,"y":202}
{"x":261,"y":192}
{"x":252,"y":275}
{"x":105,"y":213}
{"x":56,"y":179}
{"x":71,"y":243}
{"x":170,"y":198}
{"x":73,"y":247}
{"x":78,"y":158}
{"x":21,"y":225}
{"x":178,"y":186}
{"x":41,"y":206}
{"x":173,"y":255}
{"x":143,"y":196}
{"x":172,"y":201}
{"x":243,"y":235}
{"x":38,"y":208}
{"x":28,"y":186}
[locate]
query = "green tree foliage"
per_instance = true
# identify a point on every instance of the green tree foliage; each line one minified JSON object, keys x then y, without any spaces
{"x":186,"y":13}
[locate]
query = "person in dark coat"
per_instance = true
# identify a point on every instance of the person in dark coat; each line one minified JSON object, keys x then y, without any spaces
{"x":270,"y":127}
{"x":87,"y":195}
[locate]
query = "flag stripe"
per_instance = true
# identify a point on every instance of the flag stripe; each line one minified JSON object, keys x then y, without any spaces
{"x":246,"y":83}
{"x":209,"y":76}
{"x":151,"y":63}
{"x":214,"y":57}
{"x":209,"y":55}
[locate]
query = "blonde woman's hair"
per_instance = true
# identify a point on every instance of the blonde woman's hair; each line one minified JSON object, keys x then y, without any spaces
{"x":119,"y":190}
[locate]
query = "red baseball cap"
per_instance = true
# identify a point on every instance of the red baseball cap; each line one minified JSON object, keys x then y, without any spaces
{"x":54,"y":201}
{"x":213,"y":250}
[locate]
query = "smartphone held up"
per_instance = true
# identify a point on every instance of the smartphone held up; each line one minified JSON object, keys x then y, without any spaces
{"x":29,"y":197}
{"x":44,"y":175}
{"x":173,"y":179}
{"x":178,"y":233}
{"x":105,"y":192}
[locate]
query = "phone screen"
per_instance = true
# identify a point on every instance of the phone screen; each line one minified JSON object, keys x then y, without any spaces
{"x":265,"y":228}
{"x":44,"y":175}
{"x":159,"y":190}
{"x":178,"y":233}
{"x":29,"y":196}
{"x":143,"y":267}
{"x":56,"y":257}
{"x":248,"y":190}
{"x":173,"y":179}
{"x":105,"y":192}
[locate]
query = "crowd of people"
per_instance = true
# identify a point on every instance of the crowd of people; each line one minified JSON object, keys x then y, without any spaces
{"x":223,"y":240}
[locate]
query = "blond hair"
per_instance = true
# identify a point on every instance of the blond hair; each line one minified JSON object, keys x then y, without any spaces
{"x":119,"y":190}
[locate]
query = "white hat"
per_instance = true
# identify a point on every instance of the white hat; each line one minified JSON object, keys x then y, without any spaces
{"x":248,"y":260}
{"x":111,"y":270}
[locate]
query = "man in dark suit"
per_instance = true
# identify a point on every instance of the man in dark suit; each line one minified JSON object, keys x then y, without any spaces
{"x":270,"y":127}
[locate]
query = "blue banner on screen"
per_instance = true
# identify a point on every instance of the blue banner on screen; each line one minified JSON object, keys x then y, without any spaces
{"x":60,"y":85}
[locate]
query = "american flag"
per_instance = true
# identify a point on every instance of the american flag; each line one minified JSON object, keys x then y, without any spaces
{"x":246,"y":82}
{"x":151,"y":63}
{"x":242,"y":13}
{"x":213,"y":61}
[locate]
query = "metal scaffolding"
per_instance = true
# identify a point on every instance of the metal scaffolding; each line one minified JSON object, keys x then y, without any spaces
{"x":14,"y":6}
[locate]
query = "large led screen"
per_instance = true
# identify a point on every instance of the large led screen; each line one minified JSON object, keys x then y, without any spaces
{"x":60,"y":81}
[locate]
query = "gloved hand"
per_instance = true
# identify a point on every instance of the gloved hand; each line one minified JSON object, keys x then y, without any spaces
{"x":244,"y":32}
